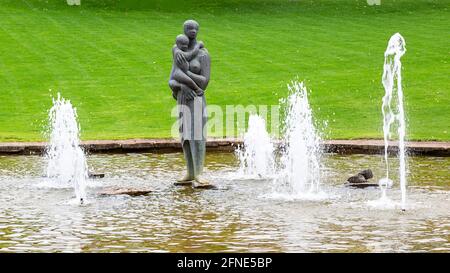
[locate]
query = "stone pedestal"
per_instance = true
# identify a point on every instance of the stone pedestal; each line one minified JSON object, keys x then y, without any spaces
{"x":183,"y":183}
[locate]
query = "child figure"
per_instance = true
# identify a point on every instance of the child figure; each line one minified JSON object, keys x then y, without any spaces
{"x":178,"y":76}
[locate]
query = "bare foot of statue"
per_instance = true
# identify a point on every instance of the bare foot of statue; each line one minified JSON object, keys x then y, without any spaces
{"x":184,"y":181}
{"x":185,"y":178}
{"x":202,"y":183}
{"x":199,"y":92}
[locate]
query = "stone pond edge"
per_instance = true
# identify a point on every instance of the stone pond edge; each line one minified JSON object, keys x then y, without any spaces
{"x":366,"y":146}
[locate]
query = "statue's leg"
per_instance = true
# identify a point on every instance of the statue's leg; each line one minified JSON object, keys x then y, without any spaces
{"x":199,"y":147}
{"x":176,"y":87}
{"x":182,"y":78}
{"x":200,"y":142}
{"x":189,"y":162}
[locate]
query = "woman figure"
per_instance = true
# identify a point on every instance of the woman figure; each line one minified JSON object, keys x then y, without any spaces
{"x":192,"y":106}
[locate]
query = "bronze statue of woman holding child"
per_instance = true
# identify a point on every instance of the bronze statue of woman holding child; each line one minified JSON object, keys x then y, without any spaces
{"x":188,"y":80}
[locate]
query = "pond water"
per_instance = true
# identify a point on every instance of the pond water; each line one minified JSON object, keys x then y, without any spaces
{"x":237,"y":217}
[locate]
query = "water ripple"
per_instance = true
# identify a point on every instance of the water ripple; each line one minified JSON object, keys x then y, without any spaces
{"x":235,"y":218}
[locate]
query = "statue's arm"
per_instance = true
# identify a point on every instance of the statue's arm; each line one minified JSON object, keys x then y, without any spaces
{"x":174,"y":51}
{"x":202,"y":80}
{"x":175,"y":87}
{"x":193,"y":53}
{"x":180,"y":58}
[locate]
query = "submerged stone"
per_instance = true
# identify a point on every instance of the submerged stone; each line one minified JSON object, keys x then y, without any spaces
{"x":366,"y":173}
{"x":357,"y":179}
{"x":361,"y":185}
{"x":361,"y":177}
{"x":124,"y":191}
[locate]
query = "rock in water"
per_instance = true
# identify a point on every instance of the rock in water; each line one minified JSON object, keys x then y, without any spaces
{"x":361,"y":180}
{"x":126,"y":191}
{"x":361,"y":177}
{"x":366,"y":173}
{"x":357,"y":179}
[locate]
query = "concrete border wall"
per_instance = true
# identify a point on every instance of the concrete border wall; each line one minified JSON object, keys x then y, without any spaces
{"x":227,"y":144}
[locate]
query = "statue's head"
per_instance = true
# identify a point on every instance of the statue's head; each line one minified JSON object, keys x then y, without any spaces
{"x":191,"y":29}
{"x":182,"y":42}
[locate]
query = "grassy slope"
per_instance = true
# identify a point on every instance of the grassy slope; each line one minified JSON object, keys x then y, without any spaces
{"x":112,"y":59}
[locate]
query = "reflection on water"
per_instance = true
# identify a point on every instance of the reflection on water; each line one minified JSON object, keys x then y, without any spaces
{"x":234,"y":218}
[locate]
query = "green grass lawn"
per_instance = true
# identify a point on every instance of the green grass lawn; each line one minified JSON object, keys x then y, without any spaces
{"x":112,"y":59}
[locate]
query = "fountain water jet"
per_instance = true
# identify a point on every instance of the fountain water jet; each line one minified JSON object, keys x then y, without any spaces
{"x":300,"y":160}
{"x":393,"y":111}
{"x":66,"y":160}
{"x":257,"y":153}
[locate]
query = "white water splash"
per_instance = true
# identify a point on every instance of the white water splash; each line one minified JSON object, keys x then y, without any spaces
{"x":257,"y":153}
{"x":66,"y":160}
{"x":300,"y":162}
{"x":393,"y":111}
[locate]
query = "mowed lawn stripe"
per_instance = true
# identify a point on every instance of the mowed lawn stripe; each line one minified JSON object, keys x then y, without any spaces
{"x":112,"y":60}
